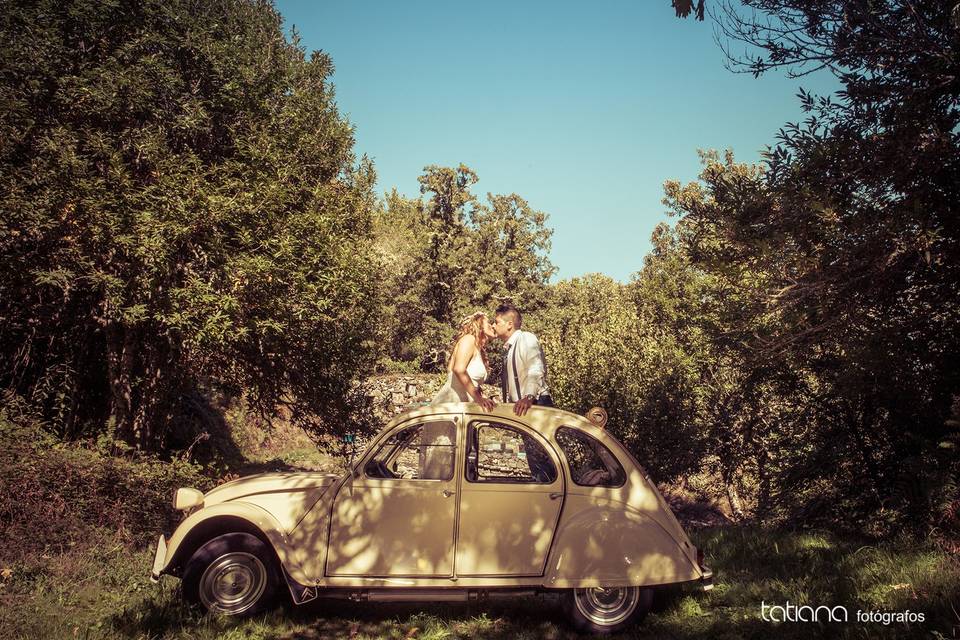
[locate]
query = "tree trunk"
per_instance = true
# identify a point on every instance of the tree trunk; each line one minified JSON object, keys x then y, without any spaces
{"x":855,"y":422}
{"x":129,"y":405}
{"x":763,"y":472}
{"x":119,"y":370}
{"x":153,"y":408}
{"x":733,"y":496}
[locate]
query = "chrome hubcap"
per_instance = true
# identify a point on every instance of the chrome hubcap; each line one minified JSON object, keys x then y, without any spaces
{"x":233,"y":583}
{"x":607,"y":606}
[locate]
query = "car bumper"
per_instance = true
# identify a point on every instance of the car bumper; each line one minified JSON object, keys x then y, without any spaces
{"x":159,"y":559}
{"x":706,"y":581}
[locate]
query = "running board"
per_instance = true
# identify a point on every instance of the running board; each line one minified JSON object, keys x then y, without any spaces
{"x":435,"y":595}
{"x":301,"y":593}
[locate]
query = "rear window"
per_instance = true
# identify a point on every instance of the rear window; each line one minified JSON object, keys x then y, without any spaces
{"x":591,"y":463}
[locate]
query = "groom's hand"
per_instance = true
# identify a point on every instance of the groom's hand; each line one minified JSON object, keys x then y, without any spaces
{"x":522,"y":405}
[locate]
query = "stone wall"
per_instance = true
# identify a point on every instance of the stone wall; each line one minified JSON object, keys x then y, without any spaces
{"x":393,"y":394}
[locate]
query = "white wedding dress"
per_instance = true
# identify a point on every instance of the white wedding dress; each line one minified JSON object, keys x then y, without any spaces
{"x":453,"y":390}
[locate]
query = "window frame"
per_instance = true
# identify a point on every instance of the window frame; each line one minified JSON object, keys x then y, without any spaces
{"x":398,"y":448}
{"x":473,"y":446}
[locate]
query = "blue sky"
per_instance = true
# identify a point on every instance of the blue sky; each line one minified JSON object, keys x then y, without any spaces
{"x":583,"y":109}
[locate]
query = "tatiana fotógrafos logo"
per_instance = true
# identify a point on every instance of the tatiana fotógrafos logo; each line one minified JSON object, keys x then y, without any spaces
{"x":791,"y":612}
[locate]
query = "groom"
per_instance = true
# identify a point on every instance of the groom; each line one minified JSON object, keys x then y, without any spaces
{"x":523,"y":376}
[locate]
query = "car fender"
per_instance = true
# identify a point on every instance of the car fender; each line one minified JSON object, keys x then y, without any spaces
{"x":227,"y":517}
{"x":603,"y":543}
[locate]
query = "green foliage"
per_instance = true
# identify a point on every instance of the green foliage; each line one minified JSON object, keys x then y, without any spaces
{"x":180,"y":202}
{"x":415,"y":286}
{"x":445,"y":218}
{"x":602,"y":352}
{"x":506,"y":258}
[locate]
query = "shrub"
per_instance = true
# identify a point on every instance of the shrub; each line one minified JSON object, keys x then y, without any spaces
{"x":52,"y":494}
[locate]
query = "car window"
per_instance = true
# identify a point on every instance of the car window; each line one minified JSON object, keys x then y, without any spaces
{"x":421,"y":452}
{"x":499,"y":453}
{"x":591,"y":463}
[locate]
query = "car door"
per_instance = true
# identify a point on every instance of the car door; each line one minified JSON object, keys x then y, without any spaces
{"x":510,"y":500}
{"x":396,"y":516}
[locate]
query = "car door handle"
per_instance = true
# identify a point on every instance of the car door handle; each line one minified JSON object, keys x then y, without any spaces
{"x":555,"y":495}
{"x":447,"y":493}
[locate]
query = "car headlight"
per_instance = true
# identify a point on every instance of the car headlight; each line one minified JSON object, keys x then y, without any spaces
{"x":185,"y":499}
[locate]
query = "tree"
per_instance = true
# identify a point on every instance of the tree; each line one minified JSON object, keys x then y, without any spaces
{"x":710,"y":295}
{"x":508,"y":253}
{"x":407,"y":334}
{"x":685,"y":8}
{"x":874,"y":168}
{"x":450,"y":256}
{"x":866,"y":226}
{"x":180,"y":204}
{"x":446,"y":216}
{"x":832,"y":409}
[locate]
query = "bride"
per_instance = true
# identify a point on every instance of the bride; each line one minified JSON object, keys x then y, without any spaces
{"x":468,"y":363}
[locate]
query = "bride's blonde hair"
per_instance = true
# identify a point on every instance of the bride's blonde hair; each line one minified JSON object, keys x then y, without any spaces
{"x":471,"y":325}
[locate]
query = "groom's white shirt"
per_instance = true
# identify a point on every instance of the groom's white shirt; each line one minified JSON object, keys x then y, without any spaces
{"x":531,"y":369}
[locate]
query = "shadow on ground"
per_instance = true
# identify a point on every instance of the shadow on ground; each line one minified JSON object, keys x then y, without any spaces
{"x":686,"y":616}
{"x":524,"y":617}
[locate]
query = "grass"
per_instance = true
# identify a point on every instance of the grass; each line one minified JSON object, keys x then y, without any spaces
{"x":102,"y":591}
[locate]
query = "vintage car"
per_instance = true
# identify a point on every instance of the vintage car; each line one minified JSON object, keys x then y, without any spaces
{"x":447,"y":503}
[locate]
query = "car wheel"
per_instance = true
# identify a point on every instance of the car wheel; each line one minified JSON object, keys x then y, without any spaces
{"x":234,"y":574}
{"x":607,"y":609}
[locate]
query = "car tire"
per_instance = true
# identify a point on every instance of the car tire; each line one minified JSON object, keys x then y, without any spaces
{"x":602,"y":610}
{"x":235,"y":574}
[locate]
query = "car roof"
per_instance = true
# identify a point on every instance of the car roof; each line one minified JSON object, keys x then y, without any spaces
{"x":543,"y":420}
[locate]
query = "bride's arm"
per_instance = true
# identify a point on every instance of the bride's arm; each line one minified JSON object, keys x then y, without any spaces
{"x":462,"y":354}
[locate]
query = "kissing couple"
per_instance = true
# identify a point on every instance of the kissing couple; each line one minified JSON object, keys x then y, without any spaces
{"x":523,"y":376}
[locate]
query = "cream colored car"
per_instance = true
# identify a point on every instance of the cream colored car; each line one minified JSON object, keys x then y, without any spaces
{"x":447,"y":503}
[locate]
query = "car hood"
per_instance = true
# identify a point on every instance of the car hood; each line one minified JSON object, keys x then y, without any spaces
{"x":268,"y":483}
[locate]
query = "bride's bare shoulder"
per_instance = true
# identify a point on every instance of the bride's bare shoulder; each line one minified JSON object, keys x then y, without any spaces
{"x":465,"y":341}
